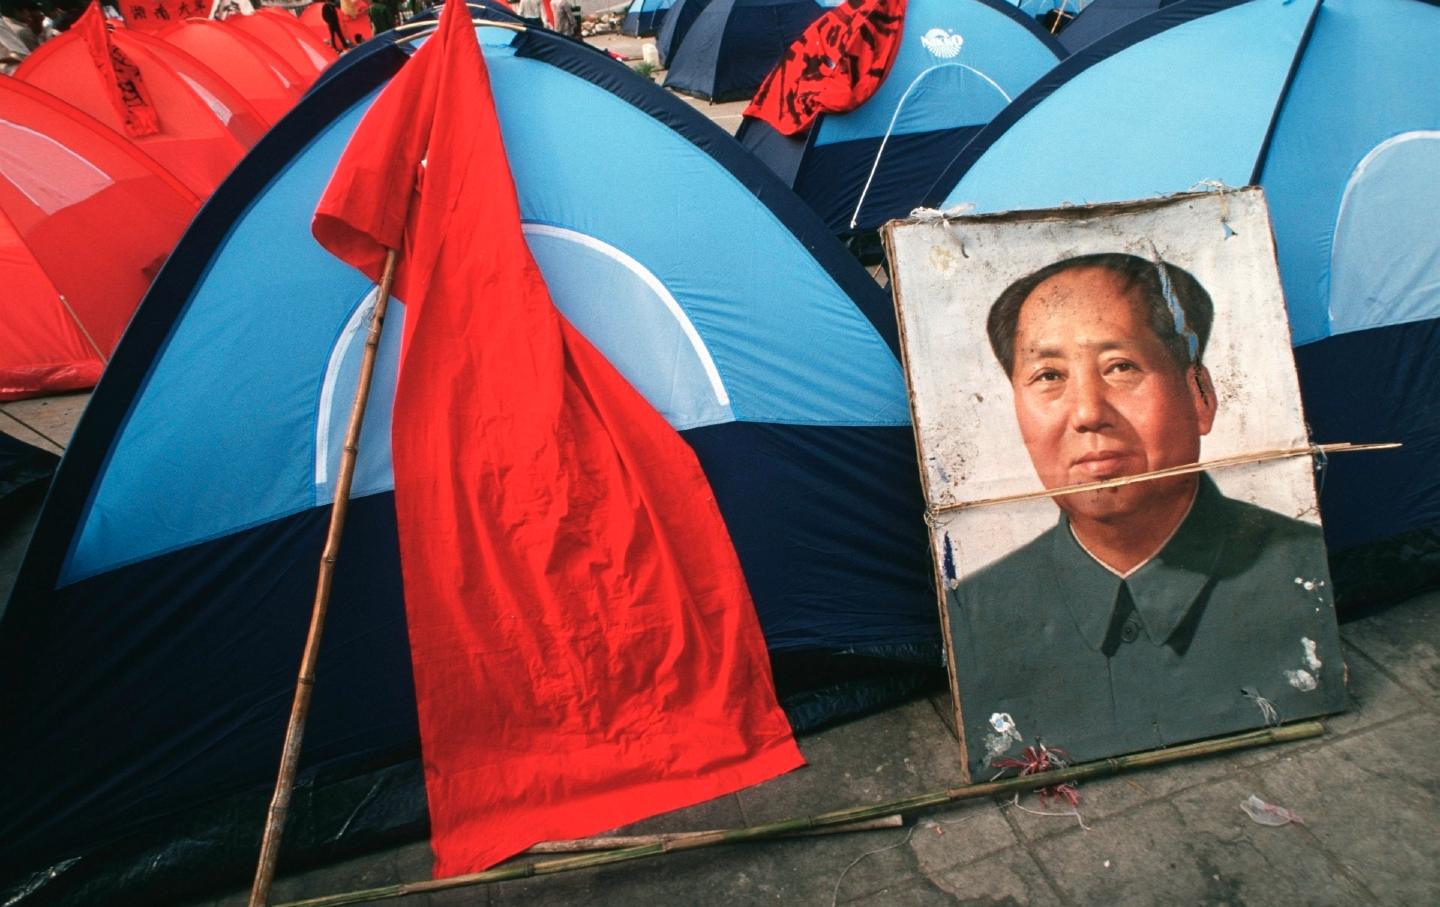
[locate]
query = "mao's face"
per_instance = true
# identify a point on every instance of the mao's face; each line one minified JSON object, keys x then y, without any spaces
{"x":1097,"y":395}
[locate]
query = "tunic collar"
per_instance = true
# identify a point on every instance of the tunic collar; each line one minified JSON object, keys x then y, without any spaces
{"x":1165,"y":589}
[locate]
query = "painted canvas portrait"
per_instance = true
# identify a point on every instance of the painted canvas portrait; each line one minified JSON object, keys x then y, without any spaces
{"x":1122,"y":505}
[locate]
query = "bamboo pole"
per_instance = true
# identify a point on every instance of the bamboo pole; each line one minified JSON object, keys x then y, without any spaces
{"x":1087,"y":771}
{"x":616,"y":842}
{"x":305,"y":683}
{"x":1263,"y":456}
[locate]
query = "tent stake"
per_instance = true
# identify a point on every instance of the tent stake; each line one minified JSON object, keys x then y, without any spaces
{"x":305,"y":683}
{"x":1089,"y":770}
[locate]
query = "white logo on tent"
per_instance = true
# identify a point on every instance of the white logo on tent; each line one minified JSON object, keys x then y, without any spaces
{"x":942,"y":43}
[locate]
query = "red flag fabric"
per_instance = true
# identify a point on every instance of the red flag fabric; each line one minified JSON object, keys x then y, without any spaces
{"x":123,"y":83}
{"x":584,"y":647}
{"x":835,"y":66}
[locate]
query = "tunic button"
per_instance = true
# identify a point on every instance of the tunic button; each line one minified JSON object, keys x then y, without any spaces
{"x":1130,"y":630}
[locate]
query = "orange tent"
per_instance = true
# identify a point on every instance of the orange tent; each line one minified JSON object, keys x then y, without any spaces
{"x":283,"y":33}
{"x":202,"y":126}
{"x":260,"y":74}
{"x":86,"y":220}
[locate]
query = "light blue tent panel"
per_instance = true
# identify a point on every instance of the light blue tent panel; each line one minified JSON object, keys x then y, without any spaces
{"x":1208,"y":88}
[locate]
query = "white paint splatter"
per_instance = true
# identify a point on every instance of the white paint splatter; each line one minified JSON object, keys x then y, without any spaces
{"x":1006,"y":734}
{"x":1302,"y":680}
{"x":1311,"y":659}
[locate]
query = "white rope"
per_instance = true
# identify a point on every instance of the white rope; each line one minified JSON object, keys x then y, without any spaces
{"x":875,"y":165}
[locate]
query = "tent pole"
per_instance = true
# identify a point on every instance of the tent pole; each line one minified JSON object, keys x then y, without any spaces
{"x":305,"y":684}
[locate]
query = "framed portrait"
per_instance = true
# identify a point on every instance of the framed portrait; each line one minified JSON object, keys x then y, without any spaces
{"x":1115,"y":462}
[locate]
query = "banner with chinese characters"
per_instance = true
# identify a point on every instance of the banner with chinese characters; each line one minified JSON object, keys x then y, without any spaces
{"x":151,"y":15}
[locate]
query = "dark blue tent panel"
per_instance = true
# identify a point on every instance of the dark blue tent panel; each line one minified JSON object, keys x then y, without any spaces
{"x":960,"y":62}
{"x":1224,"y":92}
{"x":676,"y":26}
{"x":733,"y":45}
{"x":148,"y":655}
{"x":644,"y":17}
{"x":1101,"y":17}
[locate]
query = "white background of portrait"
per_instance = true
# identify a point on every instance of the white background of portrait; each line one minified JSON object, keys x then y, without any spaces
{"x":947,"y":274}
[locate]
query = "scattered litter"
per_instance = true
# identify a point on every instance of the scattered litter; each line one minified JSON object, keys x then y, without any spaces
{"x":835,"y":895}
{"x":1072,"y":813}
{"x":1264,"y":813}
{"x":1107,"y":864}
{"x":1041,"y":758}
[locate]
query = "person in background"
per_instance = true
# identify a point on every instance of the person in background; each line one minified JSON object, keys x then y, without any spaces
{"x":330,"y":12}
{"x":530,"y":11}
{"x":565,"y":21}
{"x":384,"y":15}
{"x":22,"y":29}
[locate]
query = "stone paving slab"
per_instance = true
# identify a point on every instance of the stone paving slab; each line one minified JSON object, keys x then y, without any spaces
{"x":44,"y":422}
{"x":1370,"y":800}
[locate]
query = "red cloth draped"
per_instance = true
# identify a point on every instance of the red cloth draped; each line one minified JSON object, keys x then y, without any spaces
{"x":584,"y":646}
{"x":123,"y":83}
{"x":835,"y":66}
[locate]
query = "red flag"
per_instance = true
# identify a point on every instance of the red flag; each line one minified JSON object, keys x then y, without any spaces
{"x":585,"y":650}
{"x":835,"y":66}
{"x":123,"y":83}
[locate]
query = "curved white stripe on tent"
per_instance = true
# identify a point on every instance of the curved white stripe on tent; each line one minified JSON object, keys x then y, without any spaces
{"x":616,"y":301}
{"x":218,"y":362}
{"x":1208,"y":88}
{"x":1392,"y":198}
{"x":965,"y":91}
{"x":373,"y":467}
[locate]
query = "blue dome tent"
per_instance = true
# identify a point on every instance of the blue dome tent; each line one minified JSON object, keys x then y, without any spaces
{"x":733,"y":45}
{"x":644,"y":17}
{"x":150,"y":647}
{"x":1236,"y":93}
{"x":960,"y":62}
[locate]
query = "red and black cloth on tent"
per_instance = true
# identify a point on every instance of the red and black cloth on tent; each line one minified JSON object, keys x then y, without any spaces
{"x":584,"y":646}
{"x":284,"y":34}
{"x":835,"y":66}
{"x":261,"y":75}
{"x":194,"y":124}
{"x":86,"y":220}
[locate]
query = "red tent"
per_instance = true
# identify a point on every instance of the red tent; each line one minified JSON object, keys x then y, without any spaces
{"x":350,"y":26}
{"x":284,"y":34}
{"x":86,"y":220}
{"x":260,"y":74}
{"x":204,"y":126}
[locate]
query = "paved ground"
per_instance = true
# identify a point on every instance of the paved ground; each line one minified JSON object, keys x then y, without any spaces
{"x":1366,"y":791}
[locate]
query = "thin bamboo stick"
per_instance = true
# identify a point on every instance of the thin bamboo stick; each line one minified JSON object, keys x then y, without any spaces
{"x":616,"y":842}
{"x":1087,"y":771}
{"x":305,"y":683}
{"x":1237,"y":460}
{"x":84,"y":331}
